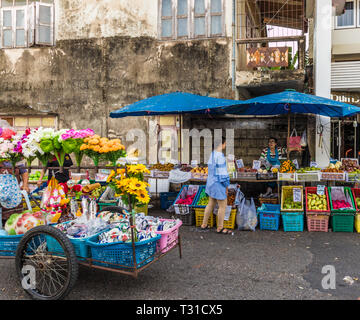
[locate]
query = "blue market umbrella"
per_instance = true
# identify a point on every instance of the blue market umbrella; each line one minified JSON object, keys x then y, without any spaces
{"x":291,"y":101}
{"x":175,"y":103}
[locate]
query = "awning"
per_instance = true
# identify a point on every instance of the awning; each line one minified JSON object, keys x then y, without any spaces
{"x":290,"y":101}
{"x":175,"y":103}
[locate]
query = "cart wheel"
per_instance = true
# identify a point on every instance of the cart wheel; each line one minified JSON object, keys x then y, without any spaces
{"x":43,"y":274}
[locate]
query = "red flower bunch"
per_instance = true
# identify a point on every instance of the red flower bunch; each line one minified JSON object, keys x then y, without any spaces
{"x":76,"y":188}
{"x":7,"y":134}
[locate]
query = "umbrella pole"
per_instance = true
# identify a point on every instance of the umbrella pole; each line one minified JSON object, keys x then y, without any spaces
{"x":289,"y":111}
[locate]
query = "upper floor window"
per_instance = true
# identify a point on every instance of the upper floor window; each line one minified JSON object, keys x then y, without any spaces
{"x":350,"y":18}
{"x":25,"y":23}
{"x":184,"y":19}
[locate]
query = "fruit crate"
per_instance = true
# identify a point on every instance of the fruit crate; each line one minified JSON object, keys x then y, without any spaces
{"x":287,"y":191}
{"x":286,"y":176}
{"x":167,"y":199}
{"x":246,"y":175}
{"x":263,"y":200}
{"x":183,"y":209}
{"x":293,"y":221}
{"x":307,"y":176}
{"x":317,"y":222}
{"x":269,"y":217}
{"x":352,"y":177}
{"x":332,"y":176}
{"x":312,"y":190}
{"x":266,"y":176}
{"x":230,"y":223}
{"x":197,"y":198}
{"x":345,"y":211}
{"x":199,"y":217}
{"x":342,"y":222}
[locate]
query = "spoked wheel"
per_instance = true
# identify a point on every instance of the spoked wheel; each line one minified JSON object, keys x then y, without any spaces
{"x":46,"y":263}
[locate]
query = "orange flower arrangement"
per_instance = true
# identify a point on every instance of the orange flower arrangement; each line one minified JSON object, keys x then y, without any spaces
{"x":97,"y":147}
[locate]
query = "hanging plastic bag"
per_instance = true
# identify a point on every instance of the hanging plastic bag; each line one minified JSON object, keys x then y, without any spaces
{"x":303,"y":141}
{"x":246,"y":217}
{"x":293,"y":142}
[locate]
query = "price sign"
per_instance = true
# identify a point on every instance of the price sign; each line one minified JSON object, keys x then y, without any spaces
{"x":162,"y":162}
{"x":313,"y":164}
{"x":320,"y":190}
{"x":240,"y":163}
{"x":256,"y":164}
{"x":297,"y":195}
{"x":296,"y":163}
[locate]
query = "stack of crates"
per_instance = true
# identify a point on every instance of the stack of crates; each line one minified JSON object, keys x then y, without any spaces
{"x":317,"y":220}
{"x":342,"y":220}
{"x":292,"y":219}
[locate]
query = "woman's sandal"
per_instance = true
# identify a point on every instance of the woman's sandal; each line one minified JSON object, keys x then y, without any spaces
{"x":204,"y":229}
{"x":222,"y":231}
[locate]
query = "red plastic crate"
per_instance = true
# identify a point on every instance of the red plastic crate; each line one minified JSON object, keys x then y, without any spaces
{"x":317,"y":222}
{"x":313,"y":190}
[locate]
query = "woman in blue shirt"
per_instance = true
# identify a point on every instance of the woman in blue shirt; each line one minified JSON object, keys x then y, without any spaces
{"x":216,"y":187}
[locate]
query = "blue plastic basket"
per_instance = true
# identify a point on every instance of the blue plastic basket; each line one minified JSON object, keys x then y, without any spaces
{"x":8,"y":245}
{"x":269,"y":216}
{"x":81,"y":248}
{"x":293,"y":221}
{"x":167,"y":199}
{"x":119,"y":255}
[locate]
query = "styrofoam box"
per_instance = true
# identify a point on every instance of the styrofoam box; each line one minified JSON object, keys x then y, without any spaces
{"x":163,"y":185}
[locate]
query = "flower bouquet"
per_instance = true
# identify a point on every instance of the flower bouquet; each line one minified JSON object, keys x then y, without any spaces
{"x":72,"y":141}
{"x":10,"y":147}
{"x":98,"y":148}
{"x":129,"y":184}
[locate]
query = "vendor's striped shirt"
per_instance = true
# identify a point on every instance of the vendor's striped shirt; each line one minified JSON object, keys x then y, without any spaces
{"x":263,"y":155}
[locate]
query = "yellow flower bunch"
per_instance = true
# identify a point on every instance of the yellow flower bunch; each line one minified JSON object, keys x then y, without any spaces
{"x":137,"y":168}
{"x":133,"y":187}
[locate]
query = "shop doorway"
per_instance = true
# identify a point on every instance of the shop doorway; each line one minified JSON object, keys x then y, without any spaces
{"x":345,"y":138}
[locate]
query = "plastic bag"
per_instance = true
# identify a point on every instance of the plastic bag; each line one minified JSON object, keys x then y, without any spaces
{"x":246,"y":217}
{"x":303,"y":141}
{"x":293,"y":142}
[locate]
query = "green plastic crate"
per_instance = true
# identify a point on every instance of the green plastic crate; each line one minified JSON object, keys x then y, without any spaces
{"x":342,"y":222}
{"x":343,"y":212}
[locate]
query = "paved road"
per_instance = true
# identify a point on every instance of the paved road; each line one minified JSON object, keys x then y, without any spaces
{"x":245,"y":265}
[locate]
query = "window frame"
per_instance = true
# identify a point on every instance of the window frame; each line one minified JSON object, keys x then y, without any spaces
{"x":191,"y":16}
{"x":31,"y":23}
{"x":355,"y":16}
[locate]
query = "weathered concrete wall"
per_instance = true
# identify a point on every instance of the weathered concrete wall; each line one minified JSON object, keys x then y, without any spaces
{"x":83,"y":80}
{"x":82,"y":19}
{"x":251,"y":134}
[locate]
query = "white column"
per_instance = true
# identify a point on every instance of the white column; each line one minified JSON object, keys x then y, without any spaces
{"x":322,"y":72}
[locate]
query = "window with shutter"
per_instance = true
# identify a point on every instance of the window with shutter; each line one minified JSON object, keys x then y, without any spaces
{"x":191,"y":19}
{"x":25,"y":23}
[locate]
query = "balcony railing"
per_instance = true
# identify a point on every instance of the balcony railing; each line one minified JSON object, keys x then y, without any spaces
{"x":271,"y":34}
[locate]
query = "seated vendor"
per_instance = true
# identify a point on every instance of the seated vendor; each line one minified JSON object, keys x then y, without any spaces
{"x":271,"y":153}
{"x":270,"y":156}
{"x":21,"y":175}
